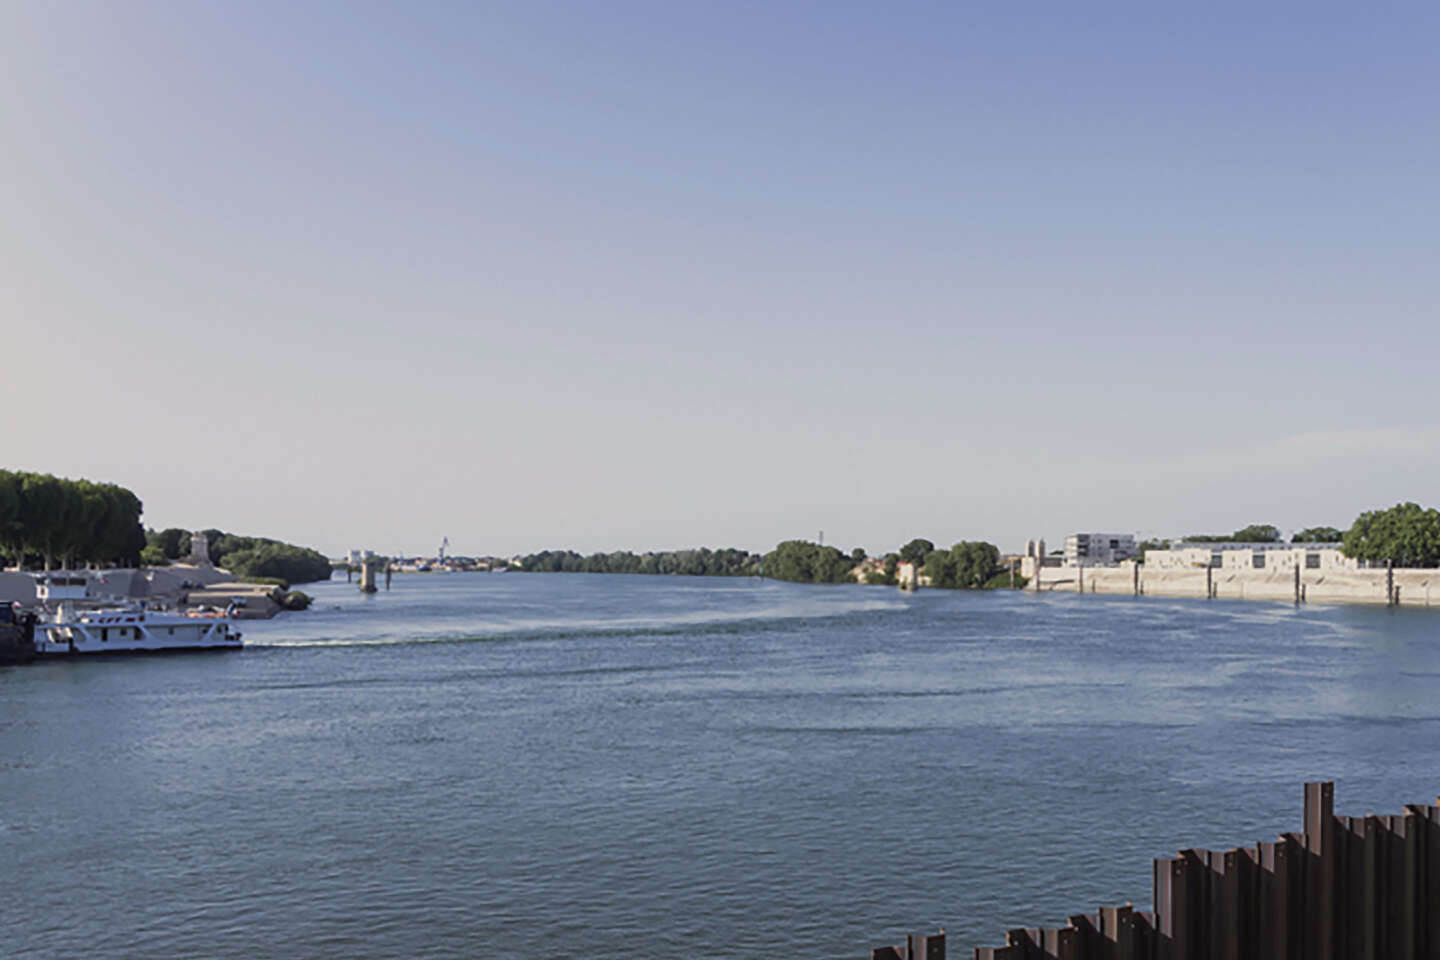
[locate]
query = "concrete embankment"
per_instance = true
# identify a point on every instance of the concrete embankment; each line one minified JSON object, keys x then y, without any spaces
{"x":1413,"y":588}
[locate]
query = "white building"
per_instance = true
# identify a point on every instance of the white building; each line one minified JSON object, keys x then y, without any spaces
{"x":1250,"y":556}
{"x":1099,"y":549}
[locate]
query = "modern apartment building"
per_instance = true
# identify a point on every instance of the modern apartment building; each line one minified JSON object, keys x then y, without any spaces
{"x":1099,"y":549}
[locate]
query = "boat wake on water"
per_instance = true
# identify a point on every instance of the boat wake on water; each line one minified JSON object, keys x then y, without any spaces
{"x":521,"y":630}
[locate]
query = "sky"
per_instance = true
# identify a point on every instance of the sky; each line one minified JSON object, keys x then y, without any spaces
{"x":653,"y":275}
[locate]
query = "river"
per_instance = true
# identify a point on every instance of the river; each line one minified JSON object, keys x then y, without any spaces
{"x":606,"y":766}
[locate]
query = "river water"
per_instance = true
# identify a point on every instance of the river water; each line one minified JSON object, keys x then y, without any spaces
{"x":602,"y":767}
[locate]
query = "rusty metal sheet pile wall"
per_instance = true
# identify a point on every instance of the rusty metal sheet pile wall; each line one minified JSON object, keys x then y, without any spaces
{"x":1346,"y":888}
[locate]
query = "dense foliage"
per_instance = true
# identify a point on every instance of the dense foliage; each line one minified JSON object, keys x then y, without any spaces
{"x":49,"y":519}
{"x":262,"y":557}
{"x":916,"y":550}
{"x":966,"y":565}
{"x":1255,"y":533}
{"x":1318,"y":535}
{"x":703,"y":561}
{"x":801,"y":561}
{"x":258,"y":559}
{"x":1001,"y":581}
{"x":1406,"y":534}
{"x":164,"y":546}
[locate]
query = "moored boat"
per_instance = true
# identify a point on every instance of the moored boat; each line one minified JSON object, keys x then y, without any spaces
{"x":129,"y":629}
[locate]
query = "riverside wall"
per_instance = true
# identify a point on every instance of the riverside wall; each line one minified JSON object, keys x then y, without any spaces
{"x":1415,"y":588}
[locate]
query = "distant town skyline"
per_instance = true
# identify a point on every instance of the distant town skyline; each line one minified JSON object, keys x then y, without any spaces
{"x":651,"y":276}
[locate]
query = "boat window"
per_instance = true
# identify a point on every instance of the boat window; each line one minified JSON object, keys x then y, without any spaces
{"x":104,"y":634}
{"x":172,"y":631}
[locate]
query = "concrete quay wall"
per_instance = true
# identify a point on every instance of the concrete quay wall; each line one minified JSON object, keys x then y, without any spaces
{"x":1417,"y":588}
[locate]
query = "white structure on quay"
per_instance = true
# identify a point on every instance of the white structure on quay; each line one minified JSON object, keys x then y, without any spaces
{"x":1250,"y":556}
{"x":1099,"y":549}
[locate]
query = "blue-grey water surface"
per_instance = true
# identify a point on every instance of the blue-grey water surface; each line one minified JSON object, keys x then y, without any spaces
{"x":605,"y":767}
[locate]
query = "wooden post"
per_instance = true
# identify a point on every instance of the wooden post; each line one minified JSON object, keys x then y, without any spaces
{"x":387,"y":575}
{"x":1135,"y":573}
{"x":1209,"y":583}
{"x":1080,"y":578}
{"x":1297,"y":584}
{"x":1390,"y":583}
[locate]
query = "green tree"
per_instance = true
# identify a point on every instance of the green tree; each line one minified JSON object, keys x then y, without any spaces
{"x":274,"y":560}
{"x":10,"y":526}
{"x":121,"y":538}
{"x":1257,"y":533}
{"x":858,"y":555}
{"x":967,"y":565}
{"x":1001,"y":581}
{"x":1406,"y":534}
{"x":917,"y":550}
{"x":801,"y":561}
{"x":1318,"y":535}
{"x":174,"y":542}
{"x":42,"y":513}
{"x":940,"y":568}
{"x":975,"y":563}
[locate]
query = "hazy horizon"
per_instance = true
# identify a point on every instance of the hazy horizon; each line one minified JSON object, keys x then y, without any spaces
{"x":654,"y":276}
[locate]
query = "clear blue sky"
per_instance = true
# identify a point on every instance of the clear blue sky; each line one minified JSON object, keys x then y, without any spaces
{"x":652,"y":275}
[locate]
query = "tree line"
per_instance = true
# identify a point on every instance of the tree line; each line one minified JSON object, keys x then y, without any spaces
{"x":967,"y":564}
{"x":1265,"y":533}
{"x":700,"y":562}
{"x":45,"y":520}
{"x":250,"y":558}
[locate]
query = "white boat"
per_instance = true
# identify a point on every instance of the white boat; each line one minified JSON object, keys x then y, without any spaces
{"x":130,"y":629}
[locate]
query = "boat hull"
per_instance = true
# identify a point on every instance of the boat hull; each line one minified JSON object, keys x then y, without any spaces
{"x":67,"y":654}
